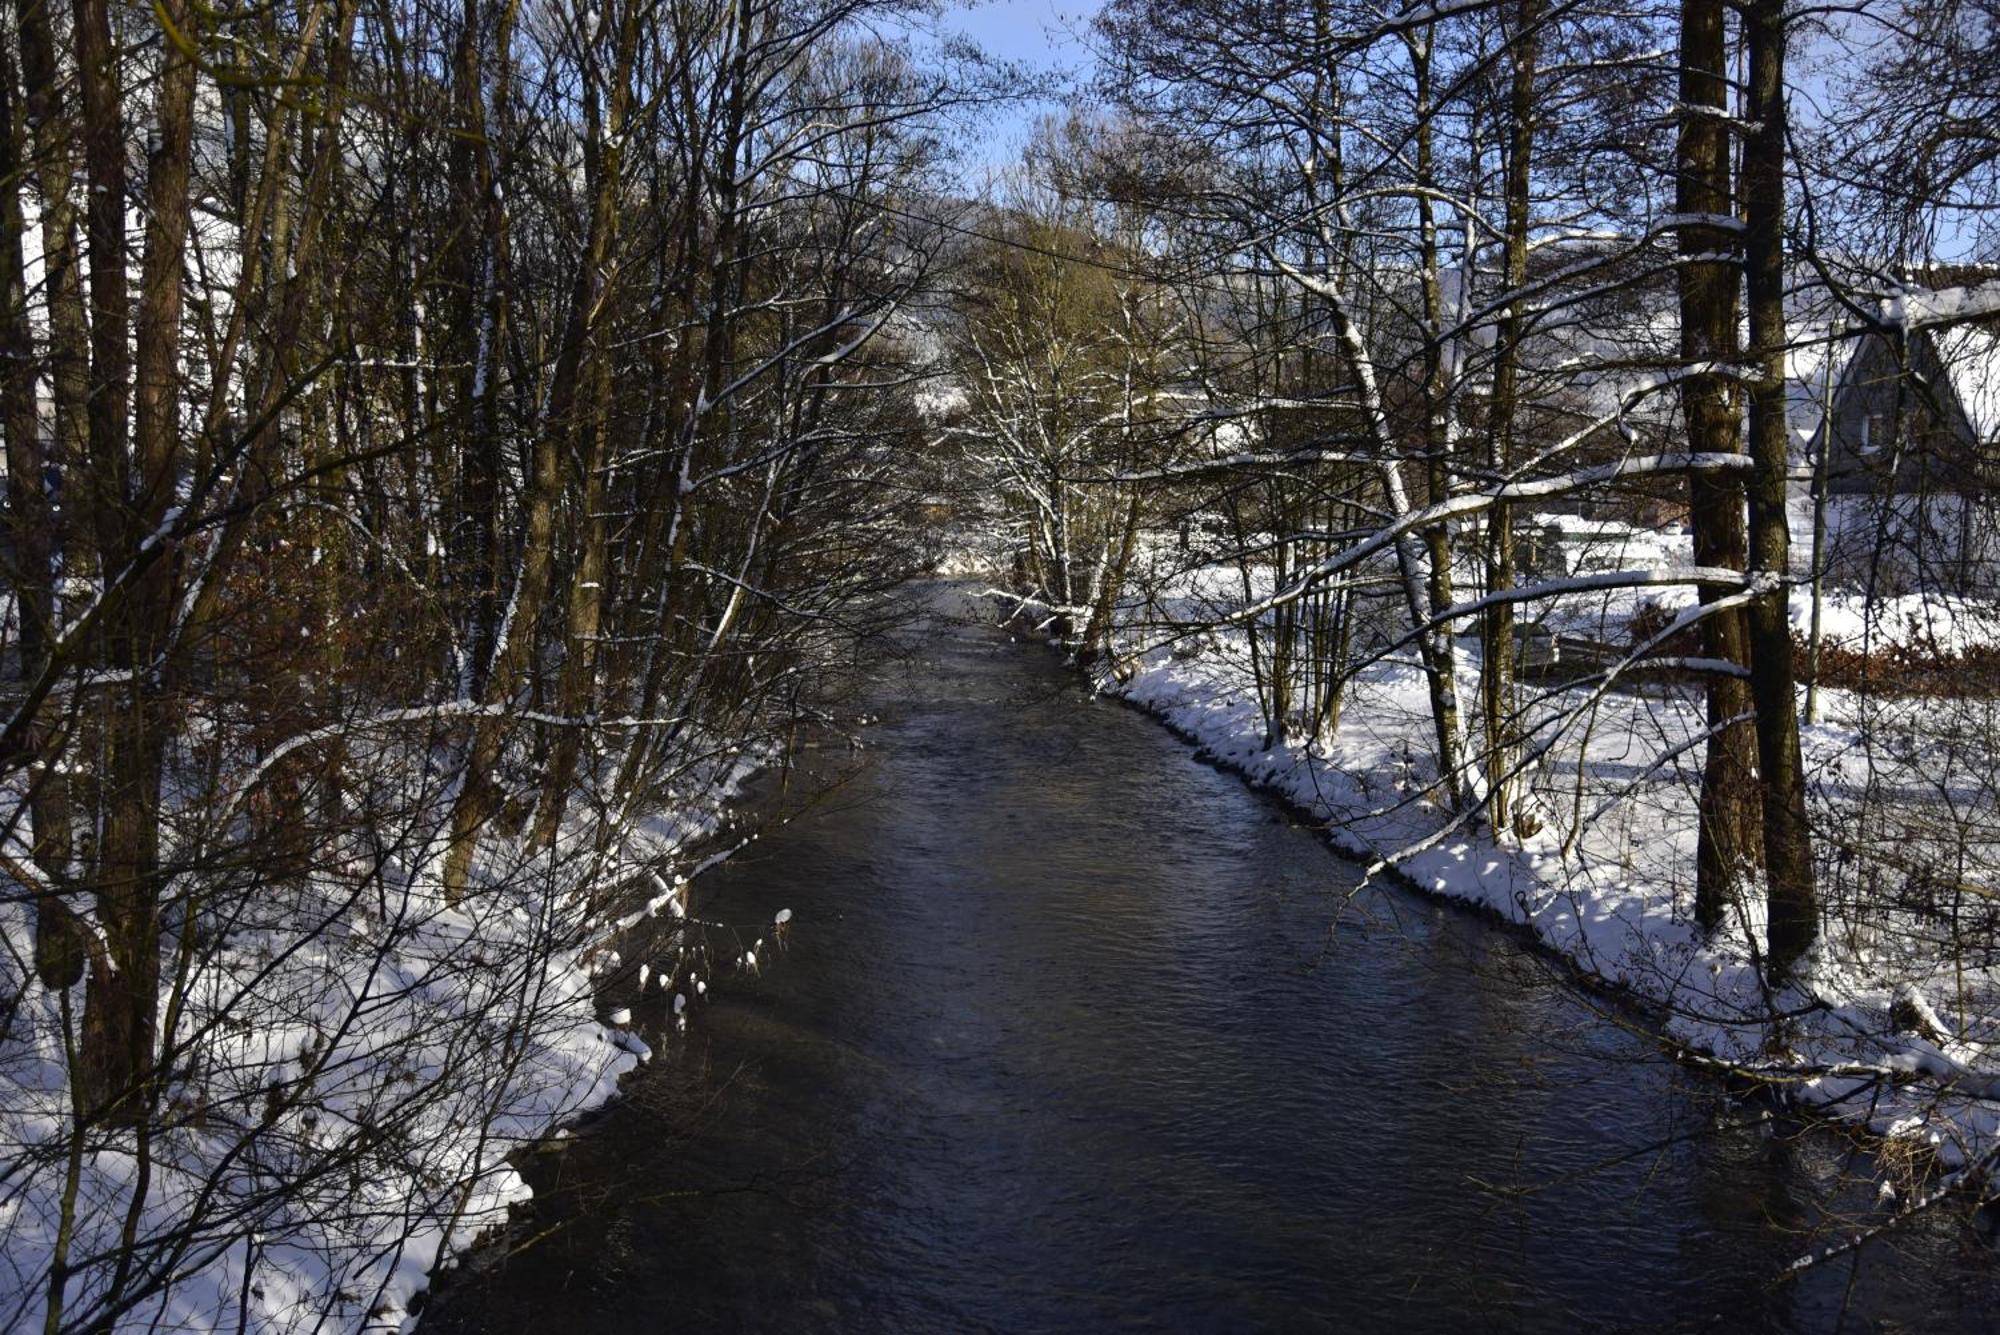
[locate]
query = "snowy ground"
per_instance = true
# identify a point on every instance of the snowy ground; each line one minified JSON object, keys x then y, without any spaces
{"x":1941,"y":622}
{"x":1607,"y":879}
{"x":354,"y":1061}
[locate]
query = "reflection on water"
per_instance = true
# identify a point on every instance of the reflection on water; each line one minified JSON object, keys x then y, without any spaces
{"x":1075,"y":1032}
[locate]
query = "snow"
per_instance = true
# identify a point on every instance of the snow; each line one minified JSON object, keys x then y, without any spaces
{"x":1917,"y":307}
{"x":357,"y":1062}
{"x":1605,"y":881}
{"x":941,"y":401}
{"x":354,"y":1269}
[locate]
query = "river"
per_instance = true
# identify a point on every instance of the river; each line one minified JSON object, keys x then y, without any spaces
{"x":1074,"y":1032}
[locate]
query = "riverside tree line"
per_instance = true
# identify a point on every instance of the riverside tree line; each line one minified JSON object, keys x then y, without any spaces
{"x":1350,"y":299}
{"x":448,"y":443}
{"x":442,"y":440}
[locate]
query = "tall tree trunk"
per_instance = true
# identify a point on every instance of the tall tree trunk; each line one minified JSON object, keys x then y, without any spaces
{"x":1440,"y":406}
{"x":1496,"y":671}
{"x":1728,"y":844}
{"x":1788,"y":864}
{"x":477,"y":544}
{"x":1411,"y":565}
{"x":122,"y":1001}
{"x":117,"y":1030}
{"x":107,"y":477}
{"x":1422,"y":582}
{"x":574,"y":405}
{"x":513,"y":651}
{"x":30,"y":549}
{"x":52,"y":164}
{"x":576,"y":688}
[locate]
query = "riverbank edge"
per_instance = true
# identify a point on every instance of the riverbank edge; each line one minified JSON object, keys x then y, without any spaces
{"x":1964,"y":1162}
{"x":611,"y":980}
{"x":746,"y":811}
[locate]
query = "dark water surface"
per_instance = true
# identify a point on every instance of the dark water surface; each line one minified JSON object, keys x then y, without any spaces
{"x":1076,"y":1033}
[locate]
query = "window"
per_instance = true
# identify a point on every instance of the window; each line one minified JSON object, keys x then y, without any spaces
{"x":1874,"y":432}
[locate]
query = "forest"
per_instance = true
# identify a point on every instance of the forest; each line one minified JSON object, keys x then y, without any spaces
{"x":452,"y":450}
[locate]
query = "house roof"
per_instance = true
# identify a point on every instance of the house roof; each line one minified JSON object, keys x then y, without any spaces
{"x":1813,"y":367}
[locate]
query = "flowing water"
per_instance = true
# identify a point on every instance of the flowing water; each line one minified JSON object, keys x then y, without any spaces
{"x":1074,"y":1032}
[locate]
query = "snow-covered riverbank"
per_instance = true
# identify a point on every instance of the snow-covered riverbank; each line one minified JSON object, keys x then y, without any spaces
{"x":1899,"y":1034}
{"x":351,"y":1072}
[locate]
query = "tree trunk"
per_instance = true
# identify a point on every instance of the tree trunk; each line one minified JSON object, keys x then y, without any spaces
{"x":53,"y":164}
{"x":1496,"y":672}
{"x":580,"y":383}
{"x":1788,"y":863}
{"x":121,"y":1002}
{"x":31,"y":543}
{"x":1727,"y":847}
{"x":107,"y":478}
{"x":476,"y":548}
{"x":1111,"y":581}
{"x":576,"y":689}
{"x":1440,"y":408}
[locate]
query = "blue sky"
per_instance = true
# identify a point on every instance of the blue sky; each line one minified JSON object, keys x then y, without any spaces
{"x":1040,"y":34}
{"x":1034,"y":31}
